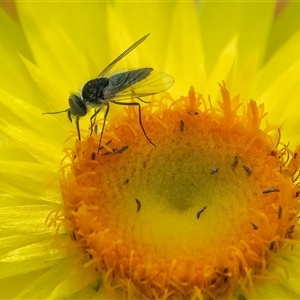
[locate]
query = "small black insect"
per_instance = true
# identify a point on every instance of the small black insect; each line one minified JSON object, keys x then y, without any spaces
{"x":214,"y":170}
{"x":200,"y":211}
{"x":106,"y":89}
{"x":271,"y":190}
{"x":121,"y":150}
{"x":279,"y":211}
{"x":93,"y":156}
{"x":181,"y":125}
{"x":138,"y":205}
{"x":248,"y":170}
{"x":255,"y":227}
{"x":235,"y":163}
{"x":272,"y":245}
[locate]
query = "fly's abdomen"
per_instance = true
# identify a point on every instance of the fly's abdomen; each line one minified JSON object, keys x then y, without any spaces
{"x":119,"y":82}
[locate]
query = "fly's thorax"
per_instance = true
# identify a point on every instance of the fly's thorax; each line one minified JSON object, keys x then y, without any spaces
{"x":92,"y":91}
{"x":77,"y":105}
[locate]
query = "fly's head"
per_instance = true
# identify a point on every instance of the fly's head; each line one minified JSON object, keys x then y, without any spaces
{"x":92,"y":91}
{"x":77,"y":108}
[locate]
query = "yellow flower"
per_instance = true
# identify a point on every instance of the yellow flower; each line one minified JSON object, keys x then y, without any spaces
{"x":209,"y":212}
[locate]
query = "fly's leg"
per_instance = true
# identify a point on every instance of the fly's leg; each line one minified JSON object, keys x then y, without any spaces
{"x":93,"y":120}
{"x":141,"y":99}
{"x":140,"y":116}
{"x":103,"y":125}
{"x":77,"y":127}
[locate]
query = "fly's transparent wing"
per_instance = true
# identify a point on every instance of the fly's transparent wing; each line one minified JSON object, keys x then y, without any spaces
{"x":122,"y":55}
{"x":139,"y":82}
{"x":121,"y":81}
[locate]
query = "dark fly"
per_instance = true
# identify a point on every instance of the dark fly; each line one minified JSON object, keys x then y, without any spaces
{"x":105,"y":89}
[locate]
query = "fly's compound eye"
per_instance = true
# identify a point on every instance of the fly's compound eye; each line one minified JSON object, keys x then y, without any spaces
{"x":78,"y":107}
{"x":93,"y":90}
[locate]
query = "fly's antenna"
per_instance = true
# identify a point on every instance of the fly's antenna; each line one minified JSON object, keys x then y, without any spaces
{"x":70,"y":115}
{"x":68,"y":111}
{"x":55,"y":112}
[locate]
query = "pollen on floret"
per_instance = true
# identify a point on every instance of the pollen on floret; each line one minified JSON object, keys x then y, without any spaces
{"x":200,"y":215}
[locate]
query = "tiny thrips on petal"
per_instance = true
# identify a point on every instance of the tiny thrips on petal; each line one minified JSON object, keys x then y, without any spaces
{"x":200,"y":211}
{"x":271,"y":190}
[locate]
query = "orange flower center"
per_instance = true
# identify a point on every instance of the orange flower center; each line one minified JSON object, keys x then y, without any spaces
{"x":199,"y":215}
